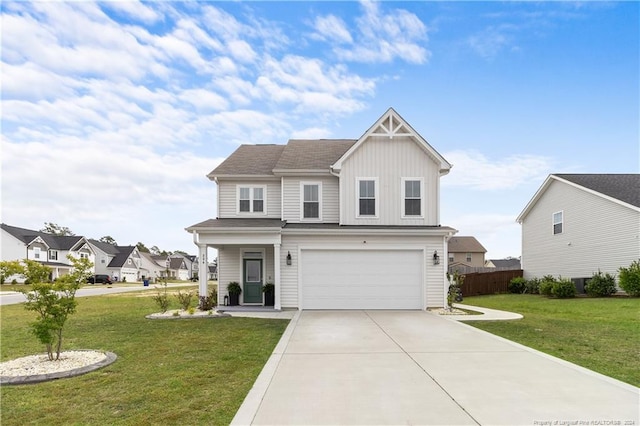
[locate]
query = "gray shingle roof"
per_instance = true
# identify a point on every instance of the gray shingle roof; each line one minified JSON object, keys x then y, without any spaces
{"x":56,"y":242}
{"x":121,"y":257}
{"x":105,"y":247}
{"x":320,"y":154}
{"x":623,"y":187}
{"x":250,"y":160}
{"x":239,"y":223}
{"x":297,"y":154}
{"x":465,"y":245}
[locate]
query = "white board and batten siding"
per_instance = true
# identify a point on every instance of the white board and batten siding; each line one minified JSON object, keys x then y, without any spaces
{"x":390,"y":160}
{"x":598,"y":234}
{"x":228,"y":198}
{"x":329,"y":200}
{"x":399,"y":272}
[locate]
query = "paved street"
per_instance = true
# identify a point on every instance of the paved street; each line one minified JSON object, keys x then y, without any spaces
{"x":11,"y":298}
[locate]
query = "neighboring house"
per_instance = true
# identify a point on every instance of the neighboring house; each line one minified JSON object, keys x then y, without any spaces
{"x":122,"y":263}
{"x":507,"y":264}
{"x":191,"y":262}
{"x":465,"y":253}
{"x":50,"y":250}
{"x":150,"y":268}
{"x":333,"y":224}
{"x":578,"y":224}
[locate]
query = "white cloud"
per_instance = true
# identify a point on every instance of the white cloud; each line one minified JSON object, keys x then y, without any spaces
{"x":134,"y":9}
{"x":331,"y":28}
{"x":473,"y":170}
{"x":381,"y":36}
{"x":498,"y":233}
{"x":492,"y":40}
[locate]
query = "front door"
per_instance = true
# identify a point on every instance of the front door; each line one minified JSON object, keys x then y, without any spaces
{"x":252,"y":281}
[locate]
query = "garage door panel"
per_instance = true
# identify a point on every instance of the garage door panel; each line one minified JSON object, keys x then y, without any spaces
{"x":362,"y":279}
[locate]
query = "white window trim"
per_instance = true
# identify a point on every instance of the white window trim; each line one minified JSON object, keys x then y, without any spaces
{"x":377,"y":195}
{"x":251,"y":212}
{"x":310,"y":219}
{"x":553,"y":223}
{"x":403,"y":215}
{"x":50,"y":253}
{"x":36,"y":253}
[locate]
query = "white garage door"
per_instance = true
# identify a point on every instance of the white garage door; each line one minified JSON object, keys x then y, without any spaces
{"x":362,"y":279}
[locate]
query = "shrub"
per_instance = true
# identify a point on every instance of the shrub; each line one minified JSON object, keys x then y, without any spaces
{"x":184,"y":299}
{"x":532,"y":286}
{"x":629,"y":279}
{"x":546,"y":285}
{"x":209,"y":302}
{"x":601,"y":285}
{"x":563,"y":288}
{"x":517,"y":285}
{"x":162,"y":299}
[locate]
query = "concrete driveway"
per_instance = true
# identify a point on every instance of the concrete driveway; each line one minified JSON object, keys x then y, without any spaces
{"x":391,"y":367}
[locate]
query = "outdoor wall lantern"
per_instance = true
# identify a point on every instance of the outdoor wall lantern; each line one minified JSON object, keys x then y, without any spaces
{"x":288,"y":258}
{"x":436,"y":258}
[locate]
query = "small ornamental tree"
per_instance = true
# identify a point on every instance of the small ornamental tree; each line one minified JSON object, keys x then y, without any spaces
{"x":35,"y":272}
{"x":9,"y":268}
{"x":54,"y":303}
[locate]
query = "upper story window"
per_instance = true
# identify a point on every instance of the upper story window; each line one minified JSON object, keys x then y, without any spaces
{"x":53,"y":254}
{"x":36,"y":252}
{"x":311,"y":199}
{"x":558,"y":219}
{"x":468,"y":257}
{"x":84,"y":256}
{"x":412,"y":194}
{"x":367,"y":197}
{"x":251,"y":199}
{"x":451,"y":258}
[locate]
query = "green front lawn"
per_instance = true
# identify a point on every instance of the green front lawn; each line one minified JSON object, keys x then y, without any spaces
{"x":189,"y":371}
{"x":602,"y":334}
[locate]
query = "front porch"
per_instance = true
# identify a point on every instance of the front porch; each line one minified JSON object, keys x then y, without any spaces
{"x":248,"y":253}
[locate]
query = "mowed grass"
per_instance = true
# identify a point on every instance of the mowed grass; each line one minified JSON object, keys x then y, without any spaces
{"x":183,"y":371}
{"x":601,"y":334}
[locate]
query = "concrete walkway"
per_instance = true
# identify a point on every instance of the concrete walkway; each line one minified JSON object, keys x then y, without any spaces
{"x":414,"y":367}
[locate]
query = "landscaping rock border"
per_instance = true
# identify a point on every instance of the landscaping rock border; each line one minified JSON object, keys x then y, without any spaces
{"x":38,"y":378}
{"x":182,"y":314}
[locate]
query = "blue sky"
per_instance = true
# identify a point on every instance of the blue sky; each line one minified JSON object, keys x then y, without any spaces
{"x":114,"y":112}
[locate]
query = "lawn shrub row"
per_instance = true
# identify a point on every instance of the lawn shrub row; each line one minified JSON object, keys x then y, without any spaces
{"x":599,"y":285}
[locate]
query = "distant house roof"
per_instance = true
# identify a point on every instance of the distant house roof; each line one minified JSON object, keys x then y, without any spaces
{"x":105,"y":247}
{"x":621,"y":188}
{"x":121,"y":256}
{"x":55,"y":242}
{"x":177,"y":263}
{"x":506,"y":263}
{"x":465,"y":245}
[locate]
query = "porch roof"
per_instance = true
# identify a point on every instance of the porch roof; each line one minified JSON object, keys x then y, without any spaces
{"x":237,"y":223}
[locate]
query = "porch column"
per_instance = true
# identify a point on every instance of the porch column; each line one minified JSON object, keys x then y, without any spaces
{"x":276,"y":272}
{"x":203,"y":270}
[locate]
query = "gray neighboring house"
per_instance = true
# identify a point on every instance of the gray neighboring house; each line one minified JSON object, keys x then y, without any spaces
{"x":332,"y":223}
{"x":191,"y":262}
{"x":578,"y":224}
{"x":120,"y":262}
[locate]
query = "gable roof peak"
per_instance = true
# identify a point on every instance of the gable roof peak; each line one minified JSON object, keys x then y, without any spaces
{"x":391,"y":125}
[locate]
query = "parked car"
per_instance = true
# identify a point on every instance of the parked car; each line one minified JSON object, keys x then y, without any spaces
{"x":104,"y":279}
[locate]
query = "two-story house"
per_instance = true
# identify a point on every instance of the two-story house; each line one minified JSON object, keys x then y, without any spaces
{"x":578,"y":224}
{"x":122,"y":263}
{"x":333,"y":224}
{"x":48,"y":249}
{"x":465,"y":254}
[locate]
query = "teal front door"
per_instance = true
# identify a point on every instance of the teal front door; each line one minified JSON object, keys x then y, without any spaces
{"x":252,"y":281}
